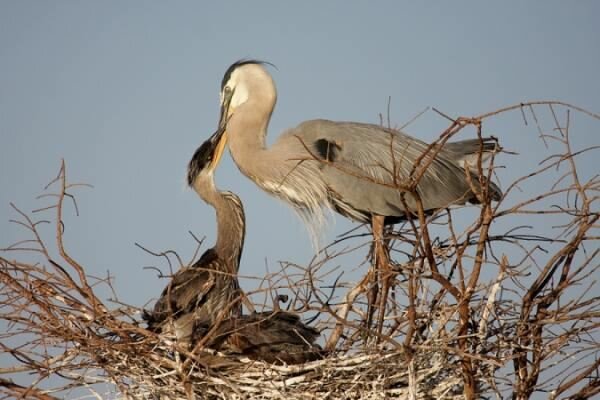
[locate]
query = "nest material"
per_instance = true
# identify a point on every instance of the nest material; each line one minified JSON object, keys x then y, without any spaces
{"x":364,"y":375}
{"x":64,"y":330}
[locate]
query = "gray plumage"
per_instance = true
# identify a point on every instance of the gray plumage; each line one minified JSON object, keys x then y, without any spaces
{"x":348,"y":167}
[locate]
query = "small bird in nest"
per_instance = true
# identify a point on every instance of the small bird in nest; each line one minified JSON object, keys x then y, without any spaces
{"x":275,"y":337}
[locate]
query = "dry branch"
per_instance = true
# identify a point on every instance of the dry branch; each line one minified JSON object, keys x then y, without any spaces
{"x":480,"y":303}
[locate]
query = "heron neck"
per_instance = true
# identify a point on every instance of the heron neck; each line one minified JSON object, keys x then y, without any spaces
{"x":246,"y":131}
{"x":231,"y":226}
{"x":230,"y":230}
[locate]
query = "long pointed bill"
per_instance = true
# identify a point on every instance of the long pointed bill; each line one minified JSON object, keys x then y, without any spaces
{"x":224,"y":117}
{"x":219,"y":138}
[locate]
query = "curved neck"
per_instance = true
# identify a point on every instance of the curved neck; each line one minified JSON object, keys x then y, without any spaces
{"x":231,"y":222}
{"x":246,"y":132}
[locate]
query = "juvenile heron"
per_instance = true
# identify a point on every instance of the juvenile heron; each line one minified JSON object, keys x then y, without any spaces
{"x":349,"y":167}
{"x":208,"y":293}
{"x":274,"y":336}
{"x":209,"y":289}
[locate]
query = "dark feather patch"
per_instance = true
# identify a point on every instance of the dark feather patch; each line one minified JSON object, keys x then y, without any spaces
{"x":327,"y":150}
{"x":209,"y":256}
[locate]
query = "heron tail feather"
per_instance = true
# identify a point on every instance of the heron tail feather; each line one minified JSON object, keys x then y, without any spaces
{"x":466,"y":153}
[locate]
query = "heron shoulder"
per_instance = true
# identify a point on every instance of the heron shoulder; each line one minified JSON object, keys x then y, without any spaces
{"x":356,"y":134}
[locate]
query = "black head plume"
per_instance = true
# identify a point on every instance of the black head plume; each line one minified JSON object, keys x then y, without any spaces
{"x":200,"y":160}
{"x":238,"y":64}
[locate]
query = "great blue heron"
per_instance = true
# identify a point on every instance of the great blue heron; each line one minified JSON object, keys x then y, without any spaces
{"x":353,"y":168}
{"x":209,"y":289}
{"x":274,"y":336}
{"x":208,"y":294}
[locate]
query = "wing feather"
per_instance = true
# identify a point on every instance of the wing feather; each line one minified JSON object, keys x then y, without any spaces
{"x":362,"y":163}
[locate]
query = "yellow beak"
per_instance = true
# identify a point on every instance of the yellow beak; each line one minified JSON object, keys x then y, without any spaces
{"x":222,"y":141}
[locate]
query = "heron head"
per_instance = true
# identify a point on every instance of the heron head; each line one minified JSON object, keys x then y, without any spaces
{"x":207,"y":156}
{"x":242,"y":80}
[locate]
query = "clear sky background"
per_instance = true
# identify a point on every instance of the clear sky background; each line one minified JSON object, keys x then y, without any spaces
{"x":125,"y":92}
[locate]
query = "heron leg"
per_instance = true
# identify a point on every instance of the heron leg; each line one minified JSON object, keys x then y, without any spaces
{"x":382,"y":264}
{"x":372,"y":291}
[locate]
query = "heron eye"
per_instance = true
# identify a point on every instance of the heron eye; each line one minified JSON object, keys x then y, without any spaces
{"x":227,"y":90}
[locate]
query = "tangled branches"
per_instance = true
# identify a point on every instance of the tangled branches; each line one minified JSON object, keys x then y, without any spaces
{"x":497,"y":300}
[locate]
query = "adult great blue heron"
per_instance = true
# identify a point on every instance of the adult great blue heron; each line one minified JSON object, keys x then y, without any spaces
{"x":209,"y":289}
{"x":352,"y":168}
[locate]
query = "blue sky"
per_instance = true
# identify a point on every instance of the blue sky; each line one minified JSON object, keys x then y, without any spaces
{"x":125,"y":91}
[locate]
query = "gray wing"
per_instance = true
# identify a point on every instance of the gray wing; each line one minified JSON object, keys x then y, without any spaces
{"x":360,"y":153}
{"x":186,"y":291}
